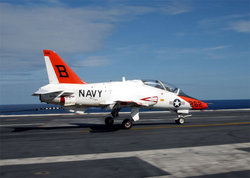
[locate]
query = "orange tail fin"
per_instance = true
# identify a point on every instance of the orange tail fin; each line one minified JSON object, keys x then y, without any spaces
{"x":58,"y":71}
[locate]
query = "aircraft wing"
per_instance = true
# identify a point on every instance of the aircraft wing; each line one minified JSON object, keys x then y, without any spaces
{"x":132,"y":103}
{"x":143,"y":102}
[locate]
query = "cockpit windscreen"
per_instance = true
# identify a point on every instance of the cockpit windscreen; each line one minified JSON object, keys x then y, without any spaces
{"x":161,"y":85}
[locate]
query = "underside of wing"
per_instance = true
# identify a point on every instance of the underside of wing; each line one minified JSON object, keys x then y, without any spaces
{"x":139,"y":103}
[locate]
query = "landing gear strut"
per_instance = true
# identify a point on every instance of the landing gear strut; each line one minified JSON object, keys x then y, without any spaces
{"x":181,"y":118}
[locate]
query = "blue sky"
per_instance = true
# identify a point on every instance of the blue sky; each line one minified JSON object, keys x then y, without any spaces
{"x":202,"y":46}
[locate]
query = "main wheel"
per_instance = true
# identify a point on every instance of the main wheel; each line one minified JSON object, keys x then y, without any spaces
{"x":109,"y":121}
{"x":180,"y":120}
{"x":127,"y":124}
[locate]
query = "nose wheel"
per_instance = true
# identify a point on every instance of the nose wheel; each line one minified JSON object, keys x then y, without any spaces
{"x":180,"y":120}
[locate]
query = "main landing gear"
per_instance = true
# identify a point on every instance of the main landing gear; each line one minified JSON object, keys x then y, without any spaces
{"x":126,"y":124}
{"x":109,"y":121}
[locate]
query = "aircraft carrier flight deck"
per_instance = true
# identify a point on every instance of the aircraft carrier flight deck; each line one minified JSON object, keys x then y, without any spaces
{"x":209,"y":144}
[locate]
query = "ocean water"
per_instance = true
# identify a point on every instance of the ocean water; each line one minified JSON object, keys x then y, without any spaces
{"x":52,"y":109}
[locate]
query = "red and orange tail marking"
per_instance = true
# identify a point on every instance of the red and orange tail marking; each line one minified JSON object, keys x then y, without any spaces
{"x":63,"y":72}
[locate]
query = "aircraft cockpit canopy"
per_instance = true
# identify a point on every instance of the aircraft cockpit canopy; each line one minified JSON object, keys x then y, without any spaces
{"x":161,"y":85}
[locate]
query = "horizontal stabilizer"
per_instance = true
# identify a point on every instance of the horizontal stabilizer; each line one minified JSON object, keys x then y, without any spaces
{"x":44,"y":92}
{"x":59,"y":92}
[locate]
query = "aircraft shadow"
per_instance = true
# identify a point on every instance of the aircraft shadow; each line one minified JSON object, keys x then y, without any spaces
{"x":94,"y":128}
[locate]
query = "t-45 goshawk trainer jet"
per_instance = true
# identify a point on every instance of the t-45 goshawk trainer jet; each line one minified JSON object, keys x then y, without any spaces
{"x":68,"y":90}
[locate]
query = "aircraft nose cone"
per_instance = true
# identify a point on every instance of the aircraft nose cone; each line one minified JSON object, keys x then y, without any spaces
{"x":204,"y":105}
{"x":195,"y":104}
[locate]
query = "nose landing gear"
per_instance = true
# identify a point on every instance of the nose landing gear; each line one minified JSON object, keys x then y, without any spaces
{"x":181,"y":119}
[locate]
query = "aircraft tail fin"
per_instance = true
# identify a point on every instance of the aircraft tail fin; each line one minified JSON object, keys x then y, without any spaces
{"x":58,"y":71}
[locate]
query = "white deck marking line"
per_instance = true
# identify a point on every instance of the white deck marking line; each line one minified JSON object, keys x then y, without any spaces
{"x":83,"y":157}
{"x":191,"y":161}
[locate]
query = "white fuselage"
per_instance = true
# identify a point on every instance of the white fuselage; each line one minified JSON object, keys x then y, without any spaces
{"x":105,"y":94}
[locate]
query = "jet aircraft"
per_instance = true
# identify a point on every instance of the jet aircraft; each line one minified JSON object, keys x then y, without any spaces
{"x":65,"y":88}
